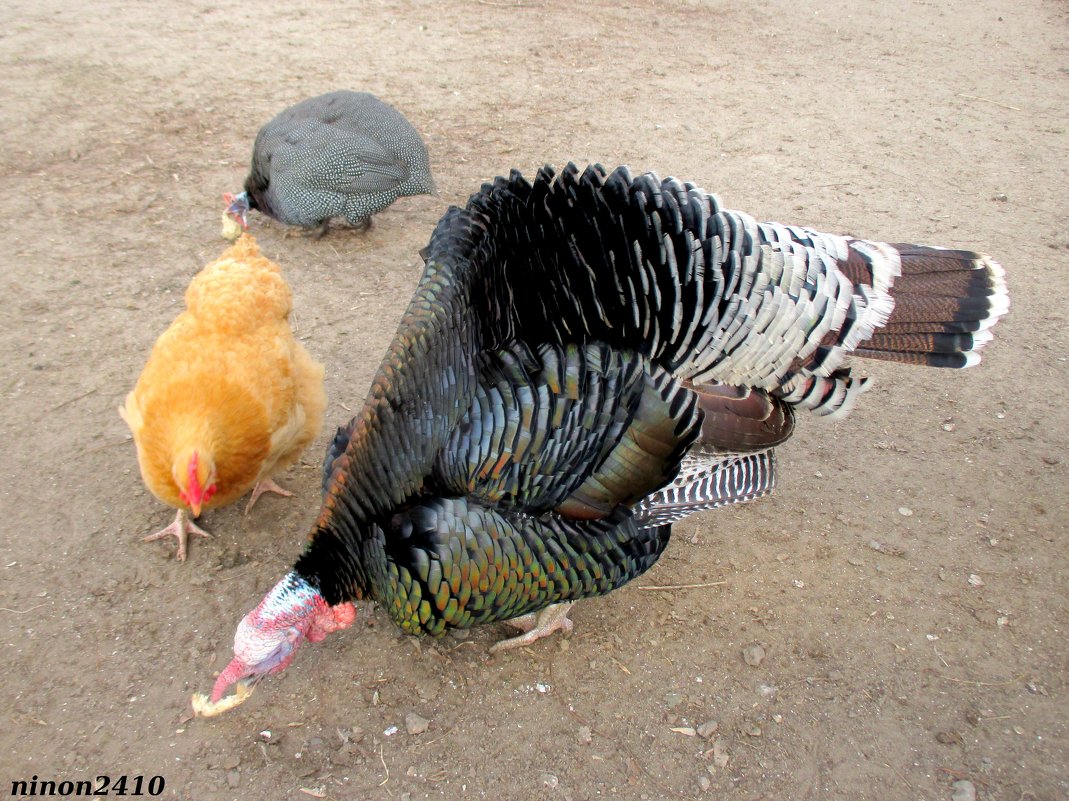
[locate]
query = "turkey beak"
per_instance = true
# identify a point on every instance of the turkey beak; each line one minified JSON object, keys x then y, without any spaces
{"x":233,"y":673}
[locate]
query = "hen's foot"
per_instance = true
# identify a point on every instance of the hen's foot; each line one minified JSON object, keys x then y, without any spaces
{"x":181,"y":528}
{"x":267,"y":485}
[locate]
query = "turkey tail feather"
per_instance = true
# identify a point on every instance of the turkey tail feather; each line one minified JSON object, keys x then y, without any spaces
{"x":945,"y":302}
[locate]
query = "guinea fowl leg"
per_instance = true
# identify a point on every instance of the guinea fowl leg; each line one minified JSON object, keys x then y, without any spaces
{"x":537,"y":625}
{"x":267,"y":485}
{"x":181,"y":528}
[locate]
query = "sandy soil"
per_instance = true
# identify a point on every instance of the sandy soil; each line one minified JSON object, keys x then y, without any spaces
{"x":888,"y":670}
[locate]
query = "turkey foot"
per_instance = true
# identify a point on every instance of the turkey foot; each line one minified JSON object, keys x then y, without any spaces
{"x":181,"y":528}
{"x":536,"y":625}
{"x":267,"y":485}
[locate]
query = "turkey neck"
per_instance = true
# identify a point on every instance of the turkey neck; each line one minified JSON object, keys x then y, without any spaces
{"x":421,"y":389}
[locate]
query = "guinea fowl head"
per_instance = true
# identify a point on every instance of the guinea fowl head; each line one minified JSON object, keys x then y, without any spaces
{"x":237,"y":208}
{"x":268,"y":637}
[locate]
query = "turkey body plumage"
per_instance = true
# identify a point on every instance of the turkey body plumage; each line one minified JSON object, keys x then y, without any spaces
{"x":342,"y":154}
{"x":589,"y":358}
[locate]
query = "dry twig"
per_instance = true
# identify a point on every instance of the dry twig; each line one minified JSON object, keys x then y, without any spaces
{"x":382,"y":759}
{"x":20,"y":611}
{"x":681,"y":586}
{"x":988,"y":100}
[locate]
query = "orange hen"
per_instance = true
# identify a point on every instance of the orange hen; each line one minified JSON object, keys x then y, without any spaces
{"x":228,"y":396}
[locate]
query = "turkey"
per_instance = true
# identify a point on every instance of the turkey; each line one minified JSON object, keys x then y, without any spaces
{"x":342,"y":154}
{"x":588,"y":358}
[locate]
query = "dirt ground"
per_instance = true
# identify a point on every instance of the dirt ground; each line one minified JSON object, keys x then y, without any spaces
{"x":906,"y":583}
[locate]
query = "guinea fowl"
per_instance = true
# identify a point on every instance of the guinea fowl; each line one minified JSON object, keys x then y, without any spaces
{"x":342,"y":154}
{"x":587,"y":359}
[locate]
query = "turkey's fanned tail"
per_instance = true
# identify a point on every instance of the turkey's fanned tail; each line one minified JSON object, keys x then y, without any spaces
{"x":945,"y":303}
{"x":714,"y":295}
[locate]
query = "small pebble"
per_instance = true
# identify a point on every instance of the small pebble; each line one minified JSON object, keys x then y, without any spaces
{"x":720,"y":754}
{"x":586,"y":736}
{"x":672,"y":700}
{"x":708,"y":729}
{"x":549,"y":780}
{"x":963,"y":791}
{"x":753,"y":655}
{"x":949,"y":426}
{"x":975,"y":580}
{"x":705,"y":783}
{"x":884,"y":548}
{"x":905,"y":511}
{"x":416,"y":724}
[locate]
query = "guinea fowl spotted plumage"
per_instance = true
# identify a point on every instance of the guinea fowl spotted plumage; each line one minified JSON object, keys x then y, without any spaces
{"x":587,"y":359}
{"x":342,"y":154}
